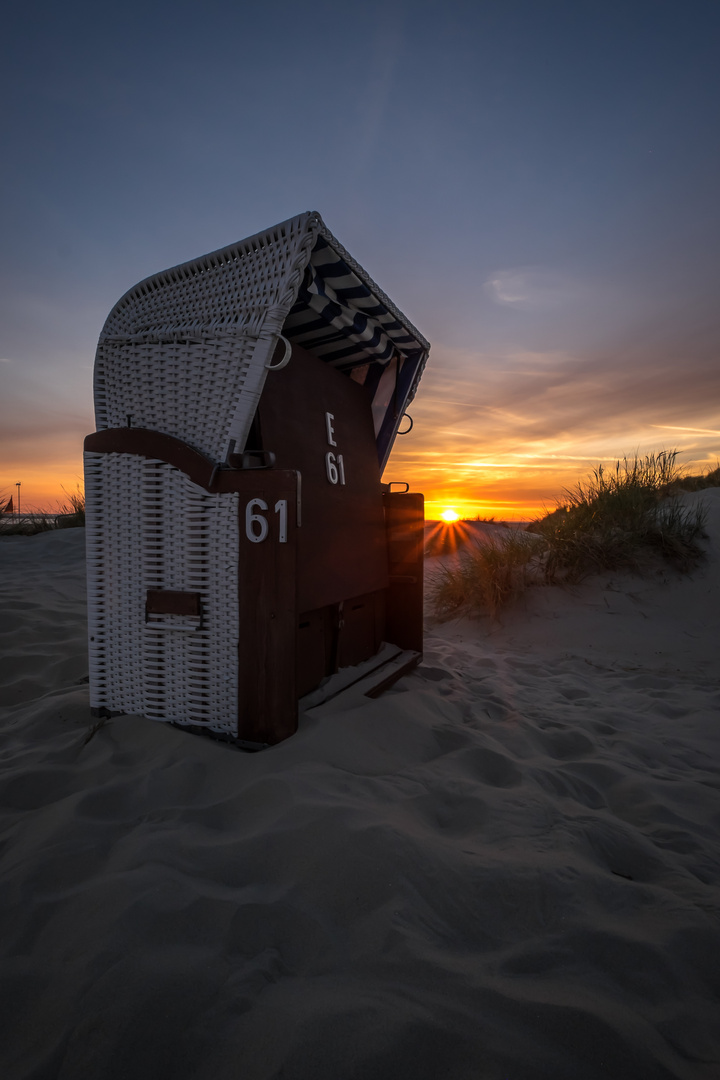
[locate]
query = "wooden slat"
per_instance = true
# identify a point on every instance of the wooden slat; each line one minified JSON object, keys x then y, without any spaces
{"x":403,"y":665}
{"x":347,"y":677}
{"x":404,"y":522}
{"x":171,"y":602}
{"x":341,"y":550}
{"x":315,"y":641}
{"x":366,"y":687}
{"x":267,"y":689}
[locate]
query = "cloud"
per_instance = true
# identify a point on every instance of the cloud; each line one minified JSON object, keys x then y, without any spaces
{"x":696,"y":430}
{"x":526,"y":423}
{"x":533,"y":288}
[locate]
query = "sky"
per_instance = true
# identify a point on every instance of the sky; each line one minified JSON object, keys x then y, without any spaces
{"x":536,"y":185}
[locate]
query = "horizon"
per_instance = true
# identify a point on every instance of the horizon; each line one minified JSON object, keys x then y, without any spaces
{"x":535,"y":189}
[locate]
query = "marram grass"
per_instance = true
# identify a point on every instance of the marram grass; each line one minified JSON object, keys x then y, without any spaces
{"x":487,"y":577}
{"x":69,"y":516}
{"x":622,"y":519}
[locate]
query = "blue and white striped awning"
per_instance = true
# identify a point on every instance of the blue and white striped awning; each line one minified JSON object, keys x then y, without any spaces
{"x":339,"y":319}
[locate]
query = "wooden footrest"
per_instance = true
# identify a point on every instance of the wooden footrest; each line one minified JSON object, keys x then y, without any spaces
{"x":351,"y":687}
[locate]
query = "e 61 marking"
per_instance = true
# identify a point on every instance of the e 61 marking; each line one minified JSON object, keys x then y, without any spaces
{"x":334,"y":464}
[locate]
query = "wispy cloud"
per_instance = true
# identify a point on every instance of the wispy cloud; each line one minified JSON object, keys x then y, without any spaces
{"x":527,"y":423}
{"x":677,"y":427}
{"x":532,"y":288}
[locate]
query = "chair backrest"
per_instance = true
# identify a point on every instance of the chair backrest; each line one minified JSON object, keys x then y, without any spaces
{"x":186,"y":352}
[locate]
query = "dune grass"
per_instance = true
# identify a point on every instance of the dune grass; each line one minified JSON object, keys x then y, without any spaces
{"x":19,"y":525}
{"x":698,"y":482}
{"x":627,"y":518}
{"x":70,"y":515}
{"x":487,"y":576}
{"x":618,"y":518}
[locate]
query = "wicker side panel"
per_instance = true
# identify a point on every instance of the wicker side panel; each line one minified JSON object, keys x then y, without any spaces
{"x":187,"y":388}
{"x":184,"y":352}
{"x":150,"y":528}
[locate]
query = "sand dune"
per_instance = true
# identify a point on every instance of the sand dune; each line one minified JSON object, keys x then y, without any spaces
{"x":506,"y":867}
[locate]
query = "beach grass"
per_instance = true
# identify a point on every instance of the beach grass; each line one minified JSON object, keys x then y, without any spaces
{"x":696,"y":482}
{"x":487,"y":576}
{"x":70,"y":515}
{"x":626,"y":518}
{"x":617,"y":518}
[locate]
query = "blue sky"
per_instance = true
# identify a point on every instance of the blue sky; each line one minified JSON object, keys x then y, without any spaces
{"x":534,"y":183}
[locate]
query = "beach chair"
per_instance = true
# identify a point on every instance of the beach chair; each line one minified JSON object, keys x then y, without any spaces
{"x":241,"y":546}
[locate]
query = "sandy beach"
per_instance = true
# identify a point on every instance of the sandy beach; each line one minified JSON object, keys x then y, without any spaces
{"x":505,"y":868}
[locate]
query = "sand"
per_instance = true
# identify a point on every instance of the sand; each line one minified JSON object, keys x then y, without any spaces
{"x":506,"y":867}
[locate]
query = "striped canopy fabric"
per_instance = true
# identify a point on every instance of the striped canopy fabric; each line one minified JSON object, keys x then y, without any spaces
{"x":339,"y":319}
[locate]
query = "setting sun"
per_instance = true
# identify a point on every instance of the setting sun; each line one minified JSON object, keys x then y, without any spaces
{"x":450,"y":515}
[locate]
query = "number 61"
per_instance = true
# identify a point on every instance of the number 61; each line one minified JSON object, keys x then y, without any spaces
{"x":256,"y":526}
{"x":335,"y":468}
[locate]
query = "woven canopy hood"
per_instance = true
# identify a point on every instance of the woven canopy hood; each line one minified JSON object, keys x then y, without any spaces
{"x":210,"y":328}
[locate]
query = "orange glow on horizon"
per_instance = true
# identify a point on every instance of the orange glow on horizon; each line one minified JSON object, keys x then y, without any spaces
{"x":517,"y":486}
{"x":469,"y":507}
{"x":41,"y":491}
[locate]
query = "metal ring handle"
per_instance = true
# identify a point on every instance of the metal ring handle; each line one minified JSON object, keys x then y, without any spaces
{"x":406,"y":416}
{"x":286,"y":358}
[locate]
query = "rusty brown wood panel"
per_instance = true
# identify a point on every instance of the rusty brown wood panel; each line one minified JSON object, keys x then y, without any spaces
{"x":360,"y":634}
{"x":152,"y":444}
{"x":341,"y":548}
{"x":267,"y":685}
{"x":315,"y":639}
{"x":405,"y":520}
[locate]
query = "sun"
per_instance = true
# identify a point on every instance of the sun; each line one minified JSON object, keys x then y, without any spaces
{"x":450,"y":515}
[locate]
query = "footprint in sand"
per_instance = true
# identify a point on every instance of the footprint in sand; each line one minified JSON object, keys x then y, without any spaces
{"x":491,"y":767}
{"x":565,"y":744}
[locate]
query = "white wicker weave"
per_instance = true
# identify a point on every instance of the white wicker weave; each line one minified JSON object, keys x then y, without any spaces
{"x":151,"y":528}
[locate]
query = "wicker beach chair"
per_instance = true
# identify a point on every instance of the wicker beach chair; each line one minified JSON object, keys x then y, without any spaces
{"x":241,"y":546}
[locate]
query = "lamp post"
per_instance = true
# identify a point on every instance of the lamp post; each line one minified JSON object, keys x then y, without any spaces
{"x":18,"y":497}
